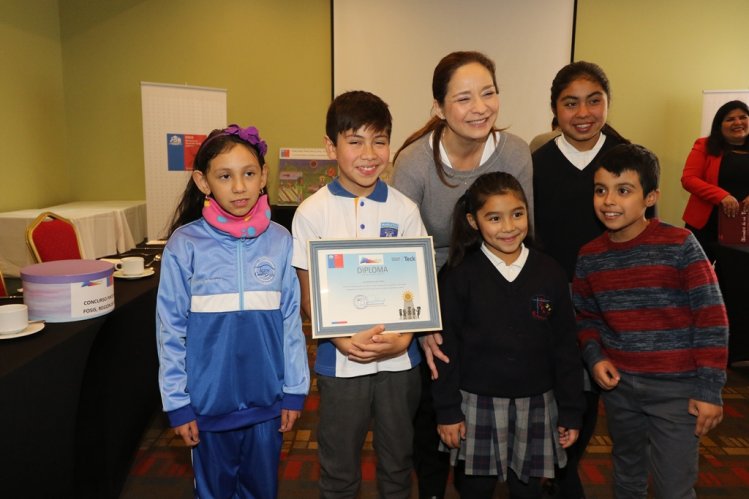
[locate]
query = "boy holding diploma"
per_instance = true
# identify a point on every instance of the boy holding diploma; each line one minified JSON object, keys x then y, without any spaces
{"x":369,"y":375}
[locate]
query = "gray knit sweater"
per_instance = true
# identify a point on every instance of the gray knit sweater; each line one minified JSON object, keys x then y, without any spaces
{"x":416,"y":177}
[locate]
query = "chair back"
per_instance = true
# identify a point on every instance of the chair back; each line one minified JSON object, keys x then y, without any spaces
{"x":3,"y":289}
{"x":52,"y":237}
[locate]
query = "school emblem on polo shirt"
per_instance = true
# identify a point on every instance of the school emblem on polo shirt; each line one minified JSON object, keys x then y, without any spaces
{"x":388,"y":229}
{"x":264,"y":270}
{"x":541,"y":307}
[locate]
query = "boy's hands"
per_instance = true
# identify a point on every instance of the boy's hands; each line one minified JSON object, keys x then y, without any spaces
{"x":708,"y":416}
{"x":605,"y":374}
{"x":567,"y":436}
{"x":189,"y":433}
{"x":344,"y":344}
{"x":452,"y":434}
{"x":371,"y":344}
{"x":386,"y":345}
{"x":288,"y":418}
{"x":430,"y":343}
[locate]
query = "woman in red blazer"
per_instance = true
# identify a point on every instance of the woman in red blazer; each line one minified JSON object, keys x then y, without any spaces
{"x":717,"y":173}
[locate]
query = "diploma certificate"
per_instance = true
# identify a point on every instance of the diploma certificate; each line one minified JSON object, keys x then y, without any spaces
{"x":358,"y":283}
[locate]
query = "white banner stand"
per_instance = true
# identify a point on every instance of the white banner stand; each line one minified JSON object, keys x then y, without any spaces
{"x":173,"y":110}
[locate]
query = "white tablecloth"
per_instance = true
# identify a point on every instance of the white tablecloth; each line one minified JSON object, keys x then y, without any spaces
{"x":105,"y":228}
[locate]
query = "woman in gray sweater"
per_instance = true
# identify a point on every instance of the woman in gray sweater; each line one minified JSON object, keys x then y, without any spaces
{"x":436,"y":164}
{"x":434,"y":167}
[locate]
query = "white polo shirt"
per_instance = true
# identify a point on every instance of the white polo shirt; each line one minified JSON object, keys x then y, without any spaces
{"x":333,"y":212}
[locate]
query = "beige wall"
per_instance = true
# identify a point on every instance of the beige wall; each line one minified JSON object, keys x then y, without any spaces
{"x":33,"y":171}
{"x":659,"y":57}
{"x":71,"y":111}
{"x":71,"y":119}
{"x":272,"y":57}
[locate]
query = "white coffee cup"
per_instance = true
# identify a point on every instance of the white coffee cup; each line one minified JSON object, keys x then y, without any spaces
{"x":13,"y":318}
{"x":130,"y":265}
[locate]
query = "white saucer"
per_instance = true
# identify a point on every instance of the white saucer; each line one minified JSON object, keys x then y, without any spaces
{"x":146,"y":272}
{"x":30,"y":329}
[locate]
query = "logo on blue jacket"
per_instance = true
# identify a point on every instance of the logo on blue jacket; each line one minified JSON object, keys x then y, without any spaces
{"x":265,"y":270}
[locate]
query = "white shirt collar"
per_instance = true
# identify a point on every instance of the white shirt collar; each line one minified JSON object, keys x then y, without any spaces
{"x":511,"y":271}
{"x":580,"y":159}
{"x":489,"y":147}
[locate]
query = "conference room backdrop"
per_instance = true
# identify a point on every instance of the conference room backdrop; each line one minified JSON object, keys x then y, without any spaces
{"x":70,"y":124}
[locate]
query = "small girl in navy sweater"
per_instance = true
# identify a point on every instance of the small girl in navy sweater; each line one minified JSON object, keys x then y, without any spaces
{"x":510,"y":399}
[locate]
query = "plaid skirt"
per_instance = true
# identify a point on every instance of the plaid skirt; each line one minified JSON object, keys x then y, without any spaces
{"x":502,"y":433}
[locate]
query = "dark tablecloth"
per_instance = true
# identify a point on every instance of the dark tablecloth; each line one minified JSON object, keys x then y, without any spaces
{"x":76,"y":397}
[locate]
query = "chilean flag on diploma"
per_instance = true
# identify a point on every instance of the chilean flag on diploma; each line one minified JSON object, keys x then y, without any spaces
{"x":335,"y":261}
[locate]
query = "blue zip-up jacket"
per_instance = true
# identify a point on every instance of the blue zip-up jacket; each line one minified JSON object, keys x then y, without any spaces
{"x":229,"y":332}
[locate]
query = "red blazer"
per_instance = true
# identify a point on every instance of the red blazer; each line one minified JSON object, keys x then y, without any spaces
{"x":700,"y":178}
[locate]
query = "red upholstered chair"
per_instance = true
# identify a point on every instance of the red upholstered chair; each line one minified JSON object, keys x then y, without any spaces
{"x":52,"y":237}
{"x":3,"y":289}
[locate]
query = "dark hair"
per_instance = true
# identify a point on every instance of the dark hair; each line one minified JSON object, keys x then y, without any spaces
{"x":636,"y":158}
{"x":465,"y":238}
{"x":190,"y":207}
{"x":443,"y":73}
{"x":582,"y":70}
{"x":355,"y":109}
{"x":716,"y":142}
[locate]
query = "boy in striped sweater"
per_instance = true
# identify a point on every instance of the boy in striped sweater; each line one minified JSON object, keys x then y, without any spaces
{"x":652,"y":328}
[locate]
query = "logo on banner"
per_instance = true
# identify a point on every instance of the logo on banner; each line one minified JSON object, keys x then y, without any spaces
{"x":181,"y":150}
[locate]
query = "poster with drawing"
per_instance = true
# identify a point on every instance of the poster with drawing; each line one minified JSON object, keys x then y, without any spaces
{"x":302,"y":172}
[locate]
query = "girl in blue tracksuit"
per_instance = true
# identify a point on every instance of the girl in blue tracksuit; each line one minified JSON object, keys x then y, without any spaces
{"x":233,"y":362}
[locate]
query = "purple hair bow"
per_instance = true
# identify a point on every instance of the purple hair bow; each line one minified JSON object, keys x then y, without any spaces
{"x":250,"y":135}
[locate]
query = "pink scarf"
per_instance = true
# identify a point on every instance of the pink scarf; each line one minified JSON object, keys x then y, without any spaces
{"x":254,"y":223}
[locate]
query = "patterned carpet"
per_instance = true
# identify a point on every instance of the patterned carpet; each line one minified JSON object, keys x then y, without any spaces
{"x":161,"y":468}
